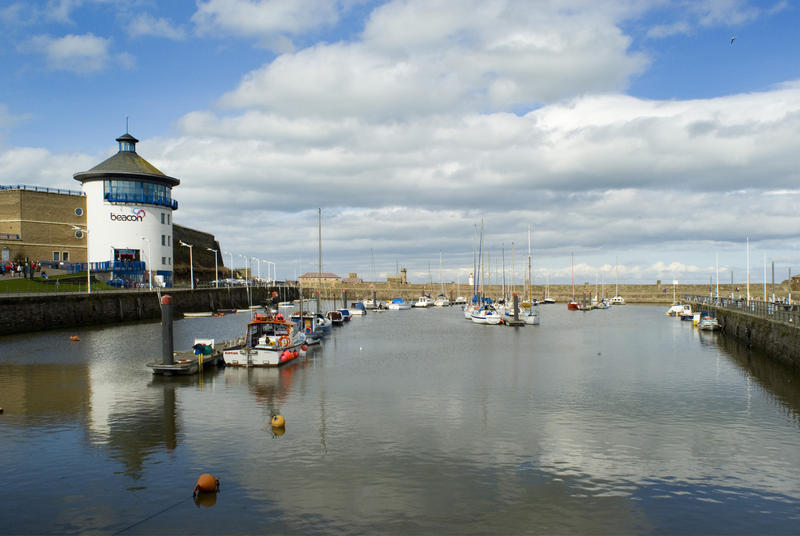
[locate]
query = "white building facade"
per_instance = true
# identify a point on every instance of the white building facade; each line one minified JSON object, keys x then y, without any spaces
{"x":129,"y":210}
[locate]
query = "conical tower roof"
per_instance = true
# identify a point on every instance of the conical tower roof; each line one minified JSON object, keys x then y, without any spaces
{"x":126,"y":164}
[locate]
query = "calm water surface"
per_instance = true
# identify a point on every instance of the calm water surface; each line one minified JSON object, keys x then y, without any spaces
{"x":618,"y":421}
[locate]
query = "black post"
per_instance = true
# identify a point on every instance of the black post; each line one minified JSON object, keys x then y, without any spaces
{"x":516,"y":305}
{"x":166,"y":330}
{"x":344,"y":298}
{"x":374,"y":301}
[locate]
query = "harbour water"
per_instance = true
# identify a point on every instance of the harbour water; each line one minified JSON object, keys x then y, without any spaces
{"x":621,"y":421}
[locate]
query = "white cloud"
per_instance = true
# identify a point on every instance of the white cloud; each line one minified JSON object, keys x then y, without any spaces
{"x":79,"y":53}
{"x":418,"y":58}
{"x":269,"y":20}
{"x":145,"y":24}
{"x":27,"y":165}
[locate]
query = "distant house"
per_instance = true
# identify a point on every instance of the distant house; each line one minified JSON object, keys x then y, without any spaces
{"x":319,"y":279}
{"x":352,"y":278}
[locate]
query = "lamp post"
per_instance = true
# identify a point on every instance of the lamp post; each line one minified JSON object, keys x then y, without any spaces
{"x":149,"y":261}
{"x":246,"y":264}
{"x":216,"y":273}
{"x":274,"y":275}
{"x":231,"y":254}
{"x":88,"y":265}
{"x":258,"y":262}
{"x":191,"y":268}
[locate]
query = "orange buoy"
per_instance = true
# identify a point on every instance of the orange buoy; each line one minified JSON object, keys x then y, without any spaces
{"x":206,"y":483}
{"x":304,"y":347}
{"x":278,"y":421}
{"x":74,"y":338}
{"x":295,"y":353}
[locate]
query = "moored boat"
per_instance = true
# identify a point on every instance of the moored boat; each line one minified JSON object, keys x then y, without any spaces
{"x":487,"y":314}
{"x":268,"y":343}
{"x":335,"y":317}
{"x":422,"y":302}
{"x":708,"y":322}
{"x":398,"y":304}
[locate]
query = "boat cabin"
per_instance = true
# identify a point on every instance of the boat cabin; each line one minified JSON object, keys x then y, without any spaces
{"x":267,"y":334}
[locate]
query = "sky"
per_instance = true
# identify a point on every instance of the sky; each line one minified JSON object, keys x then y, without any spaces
{"x":637,"y":137}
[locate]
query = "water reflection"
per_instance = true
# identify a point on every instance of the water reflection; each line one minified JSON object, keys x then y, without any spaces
{"x":415,"y":421}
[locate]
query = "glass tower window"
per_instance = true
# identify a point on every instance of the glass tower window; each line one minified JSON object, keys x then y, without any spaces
{"x":138,"y":192}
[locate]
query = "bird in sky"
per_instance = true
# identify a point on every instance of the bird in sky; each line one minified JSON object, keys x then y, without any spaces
{"x":733,"y":39}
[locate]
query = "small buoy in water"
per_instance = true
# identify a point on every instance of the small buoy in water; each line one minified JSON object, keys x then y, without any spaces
{"x":295,"y":353}
{"x":278,"y":421}
{"x":74,"y":338}
{"x":206,"y":483}
{"x":304,"y":347}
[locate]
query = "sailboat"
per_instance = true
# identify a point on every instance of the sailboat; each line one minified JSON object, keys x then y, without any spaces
{"x":441,"y":300}
{"x":530,"y":318}
{"x":617,"y":299}
{"x":573,"y":305}
{"x":547,"y":299}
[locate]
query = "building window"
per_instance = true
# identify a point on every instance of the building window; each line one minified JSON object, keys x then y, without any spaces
{"x":78,"y":234}
{"x":169,"y":240}
{"x":163,"y":240}
{"x":170,"y":260}
{"x":55,"y":256}
{"x":79,"y":212}
{"x":65,"y":256}
{"x":167,"y":219}
{"x":163,"y":218}
{"x":163,"y":260}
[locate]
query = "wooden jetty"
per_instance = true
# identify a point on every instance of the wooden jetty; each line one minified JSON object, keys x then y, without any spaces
{"x":188,"y":362}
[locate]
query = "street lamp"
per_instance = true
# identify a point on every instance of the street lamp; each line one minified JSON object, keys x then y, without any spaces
{"x":274,"y":275}
{"x":259,"y":267}
{"x":216,"y":273}
{"x":88,"y":265}
{"x":231,"y":254}
{"x":246,"y":264}
{"x":149,"y":261}
{"x":191,"y":268}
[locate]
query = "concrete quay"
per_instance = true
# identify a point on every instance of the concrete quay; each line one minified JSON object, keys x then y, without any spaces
{"x":38,"y":312}
{"x":773,"y":328}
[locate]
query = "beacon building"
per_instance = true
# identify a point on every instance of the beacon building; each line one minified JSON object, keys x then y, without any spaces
{"x":129,"y":210}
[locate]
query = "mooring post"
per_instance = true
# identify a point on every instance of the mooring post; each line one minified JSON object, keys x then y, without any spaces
{"x":344,"y":298}
{"x":516,"y":306}
{"x":374,"y":299}
{"x":166,"y":330}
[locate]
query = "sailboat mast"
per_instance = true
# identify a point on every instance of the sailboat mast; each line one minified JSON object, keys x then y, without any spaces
{"x":503,"y":250}
{"x":530,"y":298}
{"x":319,"y":235}
{"x":616,"y":269}
{"x":572,"y":264}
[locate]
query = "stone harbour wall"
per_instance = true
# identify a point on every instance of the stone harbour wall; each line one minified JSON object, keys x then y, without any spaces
{"x":27,"y":313}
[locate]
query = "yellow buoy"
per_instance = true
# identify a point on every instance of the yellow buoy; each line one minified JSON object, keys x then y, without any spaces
{"x":278,"y":421}
{"x":206,"y":483}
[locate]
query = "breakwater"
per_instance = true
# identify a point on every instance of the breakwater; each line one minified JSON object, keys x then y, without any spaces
{"x":773,"y":328}
{"x":36,"y":312}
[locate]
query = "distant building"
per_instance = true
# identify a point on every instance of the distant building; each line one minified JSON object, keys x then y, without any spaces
{"x":352,"y":278}
{"x":318,"y":279}
{"x":37,"y":223}
{"x":398,"y":279}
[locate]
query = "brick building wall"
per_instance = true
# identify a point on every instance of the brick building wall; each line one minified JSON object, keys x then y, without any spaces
{"x":43,"y":220}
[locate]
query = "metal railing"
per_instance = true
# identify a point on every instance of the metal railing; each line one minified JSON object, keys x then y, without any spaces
{"x":116,"y":197}
{"x":7,"y":236}
{"x":775,"y":311}
{"x":42,"y":189}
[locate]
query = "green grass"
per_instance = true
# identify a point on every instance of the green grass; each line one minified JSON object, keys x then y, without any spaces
{"x":60,"y":283}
